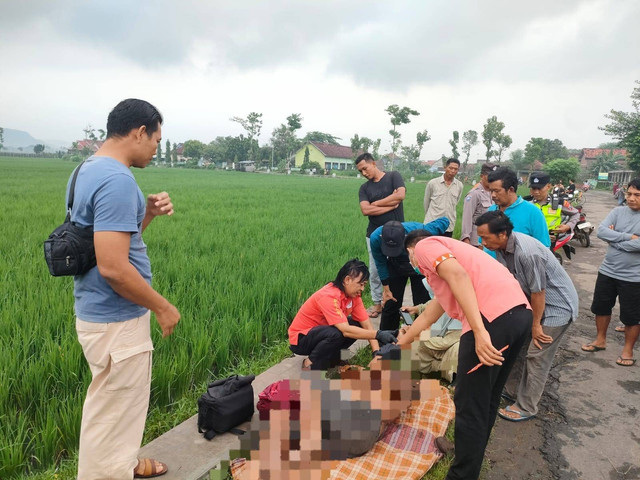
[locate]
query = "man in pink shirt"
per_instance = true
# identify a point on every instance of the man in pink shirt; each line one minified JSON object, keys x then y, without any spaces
{"x":476,"y":289}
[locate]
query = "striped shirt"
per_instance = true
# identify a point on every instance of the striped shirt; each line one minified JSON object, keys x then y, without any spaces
{"x":536,"y":269}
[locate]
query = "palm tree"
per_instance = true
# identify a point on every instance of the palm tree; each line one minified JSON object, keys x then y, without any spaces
{"x":606,"y":161}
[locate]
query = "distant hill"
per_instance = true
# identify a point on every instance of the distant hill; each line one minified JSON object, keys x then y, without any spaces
{"x":21,"y":141}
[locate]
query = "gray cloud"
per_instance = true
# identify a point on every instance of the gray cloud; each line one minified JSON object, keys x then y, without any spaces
{"x":389,"y":45}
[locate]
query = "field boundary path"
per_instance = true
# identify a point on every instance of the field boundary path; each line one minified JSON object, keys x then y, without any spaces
{"x":190,"y":456}
{"x":587,"y":427}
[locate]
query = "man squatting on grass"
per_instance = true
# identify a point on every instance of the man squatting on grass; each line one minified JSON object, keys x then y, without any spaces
{"x":471,"y":286}
{"x":619,"y":275}
{"x":554,"y":302}
{"x":333,"y":318}
{"x":392,"y":262}
{"x":113,"y":299}
{"x":381,"y":199}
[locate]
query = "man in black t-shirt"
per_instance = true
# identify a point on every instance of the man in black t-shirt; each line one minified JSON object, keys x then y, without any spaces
{"x":381,"y":200}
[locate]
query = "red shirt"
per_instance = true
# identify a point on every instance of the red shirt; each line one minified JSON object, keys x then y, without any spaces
{"x":328,"y":306}
{"x":497,"y":290}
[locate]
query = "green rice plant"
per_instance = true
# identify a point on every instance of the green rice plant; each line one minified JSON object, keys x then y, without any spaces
{"x":239,"y":256}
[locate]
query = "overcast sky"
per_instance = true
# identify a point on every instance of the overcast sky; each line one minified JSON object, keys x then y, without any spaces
{"x":546,"y":69}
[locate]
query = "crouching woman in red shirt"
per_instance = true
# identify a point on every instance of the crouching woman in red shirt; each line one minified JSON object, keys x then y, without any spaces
{"x":496,"y":317}
{"x":333,"y":318}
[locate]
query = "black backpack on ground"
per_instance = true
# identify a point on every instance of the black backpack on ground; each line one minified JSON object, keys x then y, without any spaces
{"x":226,"y":404}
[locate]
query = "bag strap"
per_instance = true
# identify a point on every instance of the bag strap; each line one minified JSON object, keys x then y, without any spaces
{"x":72,"y":189}
{"x":210,"y":434}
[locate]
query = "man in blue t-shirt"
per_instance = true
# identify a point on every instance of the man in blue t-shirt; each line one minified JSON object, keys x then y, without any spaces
{"x":525,"y":217}
{"x":113,"y":300}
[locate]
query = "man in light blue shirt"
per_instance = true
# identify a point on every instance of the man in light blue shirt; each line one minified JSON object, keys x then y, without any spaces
{"x":113,"y":300}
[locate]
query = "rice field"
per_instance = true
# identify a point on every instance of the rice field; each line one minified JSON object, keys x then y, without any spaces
{"x":240,"y":255}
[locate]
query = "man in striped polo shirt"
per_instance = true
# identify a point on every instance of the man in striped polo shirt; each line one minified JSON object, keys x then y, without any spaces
{"x":554,"y":302}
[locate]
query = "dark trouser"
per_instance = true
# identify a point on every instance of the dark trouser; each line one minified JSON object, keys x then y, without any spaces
{"x":447,"y":234}
{"x":323,"y":344}
{"x":390,"y":319}
{"x":477,"y":395}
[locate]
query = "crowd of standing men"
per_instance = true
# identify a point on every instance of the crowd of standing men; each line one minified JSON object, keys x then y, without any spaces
{"x":512,"y":313}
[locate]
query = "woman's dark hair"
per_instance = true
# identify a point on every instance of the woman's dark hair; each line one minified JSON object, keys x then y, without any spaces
{"x":414,"y":237}
{"x":496,"y":221}
{"x":508,"y":177}
{"x":353,"y":268}
{"x":133,"y":113}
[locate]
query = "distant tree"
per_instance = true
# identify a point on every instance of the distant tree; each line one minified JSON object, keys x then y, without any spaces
{"x":1,"y":138}
{"x":252,"y":125}
{"x":606,"y":162}
{"x":38,"y":149}
{"x":364,"y":144}
{"x":609,"y":145}
{"x":421,"y":138}
{"x":399,"y":116}
{"x":455,"y":139}
{"x":503,"y":142}
{"x":159,"y":153}
{"x":174,"y":154}
{"x":625,"y":127}
{"x":562,"y":169}
{"x":321,"y":137}
{"x":167,"y":152}
{"x":102,"y":133}
{"x":469,"y":140}
{"x":193,"y":149}
{"x":284,"y":140}
{"x":306,"y":154}
{"x":89,"y":133}
{"x":544,"y":150}
{"x":519,"y":161}
{"x":491,"y":134}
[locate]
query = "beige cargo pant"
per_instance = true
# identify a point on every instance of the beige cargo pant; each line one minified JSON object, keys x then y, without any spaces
{"x":440,"y":354}
{"x":115,"y":409}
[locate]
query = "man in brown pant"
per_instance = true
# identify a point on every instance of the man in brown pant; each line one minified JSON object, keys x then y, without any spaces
{"x":113,"y":300}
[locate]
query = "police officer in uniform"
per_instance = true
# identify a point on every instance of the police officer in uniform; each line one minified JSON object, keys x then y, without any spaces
{"x":552,"y":206}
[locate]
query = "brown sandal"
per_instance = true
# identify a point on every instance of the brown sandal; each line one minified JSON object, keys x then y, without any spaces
{"x":149,"y":468}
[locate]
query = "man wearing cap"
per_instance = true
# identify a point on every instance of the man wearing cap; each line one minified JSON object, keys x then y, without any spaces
{"x":394,"y":268}
{"x":477,"y":201}
{"x":442,"y":195}
{"x":553,"y":209}
{"x":525,"y":217}
{"x":380,"y":200}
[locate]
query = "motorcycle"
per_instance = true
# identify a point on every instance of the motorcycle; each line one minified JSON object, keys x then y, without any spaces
{"x":561,"y":241}
{"x":583,"y":229}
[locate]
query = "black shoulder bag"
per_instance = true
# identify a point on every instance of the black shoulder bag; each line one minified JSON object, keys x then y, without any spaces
{"x":69,"y":249}
{"x":226,"y":404}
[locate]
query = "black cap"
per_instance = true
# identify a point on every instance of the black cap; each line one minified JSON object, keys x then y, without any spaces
{"x":539,"y":180}
{"x":392,"y":239}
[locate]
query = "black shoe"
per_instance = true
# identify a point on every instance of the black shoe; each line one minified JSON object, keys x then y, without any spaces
{"x":444,"y":445}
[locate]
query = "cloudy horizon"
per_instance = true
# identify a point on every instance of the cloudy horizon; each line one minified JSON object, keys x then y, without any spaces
{"x":552,"y":69}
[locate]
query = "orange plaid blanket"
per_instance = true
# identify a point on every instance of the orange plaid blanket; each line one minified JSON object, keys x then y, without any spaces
{"x":405,"y":450}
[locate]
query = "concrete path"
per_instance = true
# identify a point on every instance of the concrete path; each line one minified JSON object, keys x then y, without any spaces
{"x":192,"y":457}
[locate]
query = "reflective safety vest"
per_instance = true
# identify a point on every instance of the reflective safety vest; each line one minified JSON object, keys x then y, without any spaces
{"x":553,"y":217}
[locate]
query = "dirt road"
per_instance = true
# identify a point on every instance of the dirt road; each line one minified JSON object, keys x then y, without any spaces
{"x":588,"y":426}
